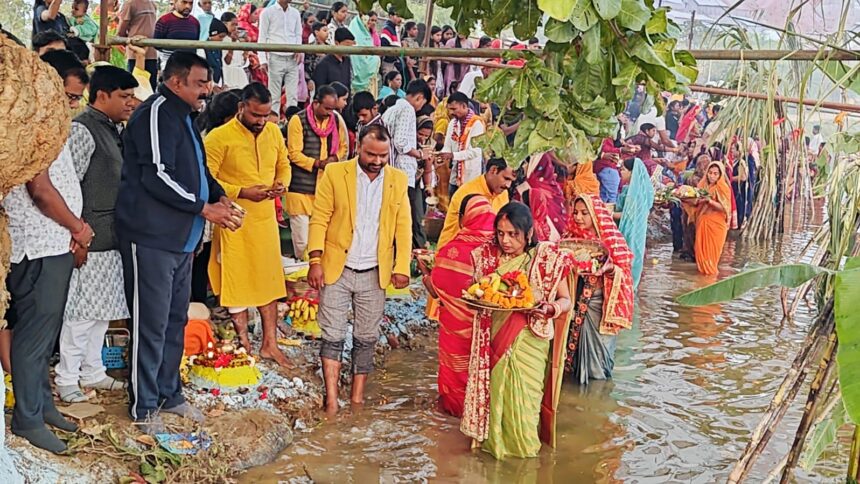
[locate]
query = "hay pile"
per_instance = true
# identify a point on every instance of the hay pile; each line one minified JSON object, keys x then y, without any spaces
{"x":34,"y":124}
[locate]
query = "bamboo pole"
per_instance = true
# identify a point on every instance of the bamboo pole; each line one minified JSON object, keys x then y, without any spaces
{"x":727,"y":55}
{"x":764,"y":97}
{"x":103,"y":49}
{"x":425,"y":42}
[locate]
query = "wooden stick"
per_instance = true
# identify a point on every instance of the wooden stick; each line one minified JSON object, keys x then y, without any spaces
{"x":764,"y":97}
{"x":425,"y":42}
{"x":103,"y":50}
{"x":722,"y":54}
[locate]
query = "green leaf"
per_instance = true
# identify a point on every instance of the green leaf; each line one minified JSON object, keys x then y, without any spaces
{"x":584,"y":15}
{"x":521,"y":92}
{"x":633,"y":15}
{"x":658,"y":23}
{"x":557,"y":9}
{"x":558,"y":31}
{"x":846,"y":307}
{"x":627,"y":75}
{"x":822,"y":435}
{"x":786,"y":275}
{"x":591,"y":45}
{"x":836,"y":70}
{"x":852,"y":263}
{"x":544,"y":100}
{"x":526,"y":17}
{"x":499,"y":85}
{"x":607,"y":9}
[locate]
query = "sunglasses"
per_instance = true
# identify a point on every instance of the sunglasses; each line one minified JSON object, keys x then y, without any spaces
{"x":74,"y":97}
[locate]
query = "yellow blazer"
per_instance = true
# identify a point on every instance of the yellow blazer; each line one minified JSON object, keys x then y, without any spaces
{"x":333,"y":221}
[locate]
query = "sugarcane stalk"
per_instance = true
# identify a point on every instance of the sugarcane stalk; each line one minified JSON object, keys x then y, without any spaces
{"x":825,"y":368}
{"x":785,"y":394}
{"x":854,"y":458}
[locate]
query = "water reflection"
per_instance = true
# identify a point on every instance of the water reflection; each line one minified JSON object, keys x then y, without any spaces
{"x":690,"y":385}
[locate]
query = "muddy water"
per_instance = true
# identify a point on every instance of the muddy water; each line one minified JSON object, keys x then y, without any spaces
{"x":689,"y":386}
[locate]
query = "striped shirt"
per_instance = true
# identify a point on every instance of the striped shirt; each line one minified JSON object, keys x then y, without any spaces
{"x":174,"y":27}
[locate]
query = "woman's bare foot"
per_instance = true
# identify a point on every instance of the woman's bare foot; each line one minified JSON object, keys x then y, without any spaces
{"x":275,"y":355}
{"x":330,"y":407}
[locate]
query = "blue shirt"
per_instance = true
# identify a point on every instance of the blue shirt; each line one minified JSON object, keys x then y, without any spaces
{"x":609,"y":180}
{"x":199,"y":222}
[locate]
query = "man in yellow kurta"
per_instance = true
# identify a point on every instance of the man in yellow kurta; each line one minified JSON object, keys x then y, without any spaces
{"x":316,"y":136}
{"x":248,"y":157}
{"x":494,"y":185}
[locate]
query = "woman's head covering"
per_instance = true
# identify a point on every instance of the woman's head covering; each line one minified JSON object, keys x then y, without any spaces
{"x":721,"y":190}
{"x":618,"y":287}
{"x":478,"y":220}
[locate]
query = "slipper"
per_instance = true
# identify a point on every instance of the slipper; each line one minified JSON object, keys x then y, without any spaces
{"x":72,"y":394}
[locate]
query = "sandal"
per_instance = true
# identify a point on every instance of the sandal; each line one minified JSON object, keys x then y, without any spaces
{"x":107,"y":383}
{"x":72,"y":394}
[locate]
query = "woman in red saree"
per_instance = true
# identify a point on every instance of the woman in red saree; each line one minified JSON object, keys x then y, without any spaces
{"x":451,"y":275}
{"x":248,"y":17}
{"x":514,"y":367}
{"x":546,"y":199}
{"x":604,"y":300}
{"x":712,"y":218}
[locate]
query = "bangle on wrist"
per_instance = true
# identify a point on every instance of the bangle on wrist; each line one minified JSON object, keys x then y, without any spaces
{"x":314,"y":260}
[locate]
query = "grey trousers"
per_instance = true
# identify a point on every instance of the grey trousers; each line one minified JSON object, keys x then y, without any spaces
{"x":362,"y":291}
{"x":416,"y":203}
{"x":39,"y":289}
{"x":283,"y":76}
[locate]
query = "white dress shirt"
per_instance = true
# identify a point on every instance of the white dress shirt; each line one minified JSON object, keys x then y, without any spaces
{"x":401,"y":123}
{"x":365,"y":237}
{"x":467,"y":87}
{"x":233,"y":73}
{"x":279,"y":26}
{"x":471,"y":157}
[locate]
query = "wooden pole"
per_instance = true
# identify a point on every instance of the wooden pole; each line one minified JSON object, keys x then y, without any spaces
{"x":103,"y":49}
{"x":425,"y":42}
{"x":764,"y":97}
{"x":692,"y":26}
{"x":726,"y":55}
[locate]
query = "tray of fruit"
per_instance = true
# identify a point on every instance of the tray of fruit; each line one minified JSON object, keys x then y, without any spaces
{"x":588,"y":255}
{"x":501,"y":292}
{"x":686,"y":192}
{"x":428,"y":257}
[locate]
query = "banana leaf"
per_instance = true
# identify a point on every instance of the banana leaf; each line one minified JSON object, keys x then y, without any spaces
{"x":822,"y":435}
{"x":846,"y":307}
{"x":785,"y":275}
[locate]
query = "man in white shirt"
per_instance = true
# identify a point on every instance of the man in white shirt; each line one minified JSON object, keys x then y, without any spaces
{"x":467,"y":160}
{"x":401,"y":122}
{"x":470,"y":80}
{"x":281,"y":24}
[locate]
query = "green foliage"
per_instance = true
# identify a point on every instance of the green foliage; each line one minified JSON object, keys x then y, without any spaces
{"x":846,"y":307}
{"x":402,"y":6}
{"x":786,"y":275}
{"x":597,"y":51}
{"x":822,"y":435}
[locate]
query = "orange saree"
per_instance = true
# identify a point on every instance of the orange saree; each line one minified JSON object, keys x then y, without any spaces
{"x":712,"y":224}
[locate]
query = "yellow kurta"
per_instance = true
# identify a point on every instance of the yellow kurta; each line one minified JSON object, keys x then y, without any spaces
{"x":301,"y":203}
{"x":477,"y":186}
{"x":245,"y":266}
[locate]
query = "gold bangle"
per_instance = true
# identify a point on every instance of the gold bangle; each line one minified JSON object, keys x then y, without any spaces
{"x":314,"y":260}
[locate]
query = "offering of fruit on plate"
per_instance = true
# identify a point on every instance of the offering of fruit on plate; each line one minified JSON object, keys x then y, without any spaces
{"x":688,"y":192}
{"x":428,"y":257}
{"x":302,"y":315}
{"x":506,"y":291}
{"x":587,"y":260}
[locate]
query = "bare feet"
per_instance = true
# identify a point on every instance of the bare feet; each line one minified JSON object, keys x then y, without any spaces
{"x":331,"y":407}
{"x":275,"y":355}
{"x":240,"y":324}
{"x":357,"y":394}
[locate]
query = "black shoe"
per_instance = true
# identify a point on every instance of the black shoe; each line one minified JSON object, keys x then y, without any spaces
{"x":43,"y":439}
{"x":57,"y":420}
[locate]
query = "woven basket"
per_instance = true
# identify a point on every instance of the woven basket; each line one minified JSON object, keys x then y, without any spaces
{"x":301,"y":288}
{"x":433,"y":228}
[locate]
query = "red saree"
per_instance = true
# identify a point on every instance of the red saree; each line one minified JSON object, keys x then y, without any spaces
{"x":617,"y":287}
{"x":546,"y":200}
{"x":451,"y":275}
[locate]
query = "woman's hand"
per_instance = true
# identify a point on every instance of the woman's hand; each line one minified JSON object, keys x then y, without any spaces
{"x":422,"y":266}
{"x":608,"y":268}
{"x":545,"y":310}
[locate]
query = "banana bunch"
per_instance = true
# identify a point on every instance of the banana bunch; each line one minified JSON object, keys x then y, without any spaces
{"x":303,"y":311}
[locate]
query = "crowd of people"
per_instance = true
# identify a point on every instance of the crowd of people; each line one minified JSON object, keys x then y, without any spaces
{"x":183,"y":166}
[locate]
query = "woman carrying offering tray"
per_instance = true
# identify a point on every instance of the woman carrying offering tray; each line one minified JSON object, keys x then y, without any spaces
{"x":604,"y":297}
{"x":511,"y":396}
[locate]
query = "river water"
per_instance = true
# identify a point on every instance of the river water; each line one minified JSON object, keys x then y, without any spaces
{"x":689,"y":386}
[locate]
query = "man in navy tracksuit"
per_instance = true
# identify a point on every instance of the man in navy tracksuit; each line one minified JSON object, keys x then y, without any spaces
{"x":165,"y":194}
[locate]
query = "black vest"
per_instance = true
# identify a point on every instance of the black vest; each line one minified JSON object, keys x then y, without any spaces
{"x":304,"y":181}
{"x":100,"y":185}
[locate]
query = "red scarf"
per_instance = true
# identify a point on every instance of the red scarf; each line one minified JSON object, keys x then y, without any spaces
{"x":618,"y":287}
{"x":330,"y":132}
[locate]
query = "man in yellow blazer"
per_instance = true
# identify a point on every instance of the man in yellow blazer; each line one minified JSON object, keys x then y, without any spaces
{"x":359,"y":241}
